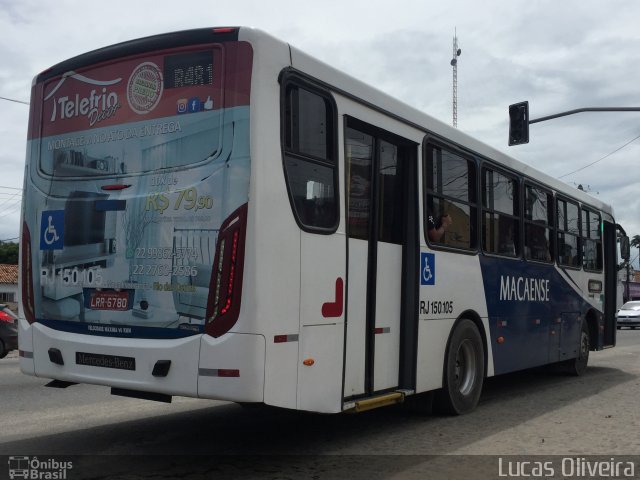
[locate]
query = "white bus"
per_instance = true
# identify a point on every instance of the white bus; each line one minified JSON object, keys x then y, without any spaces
{"x":213,"y":213}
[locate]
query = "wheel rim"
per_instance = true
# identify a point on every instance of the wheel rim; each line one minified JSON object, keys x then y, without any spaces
{"x":584,"y":345}
{"x":466,"y":368}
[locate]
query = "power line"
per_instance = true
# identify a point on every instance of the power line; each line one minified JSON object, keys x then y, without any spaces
{"x":14,"y":100}
{"x":6,"y":200}
{"x":12,"y":209}
{"x":600,"y":159}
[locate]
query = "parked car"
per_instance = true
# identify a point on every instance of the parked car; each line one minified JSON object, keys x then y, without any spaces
{"x":629,"y":315}
{"x":8,"y":331}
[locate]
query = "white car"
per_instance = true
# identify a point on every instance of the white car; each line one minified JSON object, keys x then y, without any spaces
{"x":629,"y":315}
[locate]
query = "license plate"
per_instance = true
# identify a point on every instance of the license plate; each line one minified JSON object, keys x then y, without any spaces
{"x":105,"y":361}
{"x":114,"y":300}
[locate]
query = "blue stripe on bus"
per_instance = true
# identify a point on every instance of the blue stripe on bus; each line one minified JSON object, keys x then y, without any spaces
{"x":534,"y":309}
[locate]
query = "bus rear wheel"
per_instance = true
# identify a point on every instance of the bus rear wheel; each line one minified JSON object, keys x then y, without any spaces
{"x":463,"y":370}
{"x":577,"y":366}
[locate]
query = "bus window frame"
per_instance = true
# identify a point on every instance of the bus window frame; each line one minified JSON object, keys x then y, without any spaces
{"x":519,"y":216}
{"x":565,"y":198}
{"x":431,"y":139}
{"x":288,"y":79}
{"x":584,"y":237}
{"x":378,"y":135}
{"x":551,"y":223}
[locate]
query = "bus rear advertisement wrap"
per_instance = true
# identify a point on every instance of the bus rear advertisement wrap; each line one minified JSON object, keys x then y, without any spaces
{"x":134,"y":165}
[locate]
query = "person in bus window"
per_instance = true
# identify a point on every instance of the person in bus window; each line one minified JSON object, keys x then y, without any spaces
{"x":539,"y":249}
{"x":507,"y":245}
{"x":437,"y":229}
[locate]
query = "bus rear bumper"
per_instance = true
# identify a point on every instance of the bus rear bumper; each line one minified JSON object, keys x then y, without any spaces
{"x":228,"y":368}
{"x":232,"y":367}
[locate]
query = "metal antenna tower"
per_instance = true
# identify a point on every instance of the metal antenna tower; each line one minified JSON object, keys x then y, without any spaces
{"x":454,"y":63}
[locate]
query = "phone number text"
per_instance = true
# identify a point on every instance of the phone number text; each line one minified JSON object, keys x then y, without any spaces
{"x":166,"y":252}
{"x":160,"y":270}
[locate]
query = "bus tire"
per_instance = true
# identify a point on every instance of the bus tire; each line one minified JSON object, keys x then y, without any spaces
{"x":577,"y":366}
{"x":463,"y":371}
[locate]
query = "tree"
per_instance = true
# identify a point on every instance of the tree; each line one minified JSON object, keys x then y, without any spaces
{"x":9,"y":253}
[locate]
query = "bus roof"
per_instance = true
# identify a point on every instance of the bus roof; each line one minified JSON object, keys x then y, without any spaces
{"x":345,"y":84}
{"x":141,"y":45}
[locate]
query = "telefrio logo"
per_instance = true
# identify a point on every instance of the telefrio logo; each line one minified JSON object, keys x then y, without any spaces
{"x":99,"y":105}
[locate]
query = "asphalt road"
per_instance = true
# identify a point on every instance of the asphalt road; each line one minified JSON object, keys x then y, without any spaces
{"x":529,"y":413}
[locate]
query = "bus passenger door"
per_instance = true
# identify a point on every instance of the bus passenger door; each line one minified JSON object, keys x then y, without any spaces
{"x":377,"y":226}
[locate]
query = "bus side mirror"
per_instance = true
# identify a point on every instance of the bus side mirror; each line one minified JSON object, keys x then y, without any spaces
{"x":519,"y":123}
{"x":625,"y":251}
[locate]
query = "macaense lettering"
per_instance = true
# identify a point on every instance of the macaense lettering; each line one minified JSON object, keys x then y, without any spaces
{"x":523,"y":289}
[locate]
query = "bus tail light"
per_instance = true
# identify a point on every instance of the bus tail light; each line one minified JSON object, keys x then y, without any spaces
{"x":27,"y":275}
{"x":225,"y":29}
{"x":225,"y":287}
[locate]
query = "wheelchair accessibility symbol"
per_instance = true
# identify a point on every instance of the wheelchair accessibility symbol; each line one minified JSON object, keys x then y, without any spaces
{"x":52,"y":230}
{"x":427,"y":269}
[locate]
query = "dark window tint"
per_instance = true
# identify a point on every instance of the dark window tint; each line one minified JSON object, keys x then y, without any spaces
{"x":499,"y":192}
{"x":309,"y":157}
{"x":359,"y":155}
{"x":449,"y":175}
{"x":365,"y":153}
{"x":500,"y":220}
{"x":309,"y":117}
{"x":568,"y":248}
{"x":591,"y":241}
{"x":538,"y":224}
{"x":391,"y":191}
{"x":451,"y":192}
{"x":312,"y":189}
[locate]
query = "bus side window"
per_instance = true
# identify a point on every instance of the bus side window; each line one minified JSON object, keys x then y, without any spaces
{"x":569,"y":241}
{"x":591,"y":241}
{"x":308,"y":125}
{"x":538,"y":224}
{"x":450,"y":204}
{"x":500,"y":219}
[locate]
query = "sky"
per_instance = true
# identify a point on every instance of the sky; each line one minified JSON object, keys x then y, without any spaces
{"x":558,"y":56}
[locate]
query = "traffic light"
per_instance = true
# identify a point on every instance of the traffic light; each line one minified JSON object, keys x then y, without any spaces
{"x":519,"y":123}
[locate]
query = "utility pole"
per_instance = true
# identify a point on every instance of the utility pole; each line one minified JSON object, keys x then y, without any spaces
{"x":454,"y":63}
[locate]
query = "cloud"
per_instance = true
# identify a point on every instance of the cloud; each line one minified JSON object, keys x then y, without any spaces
{"x":557,"y":55}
